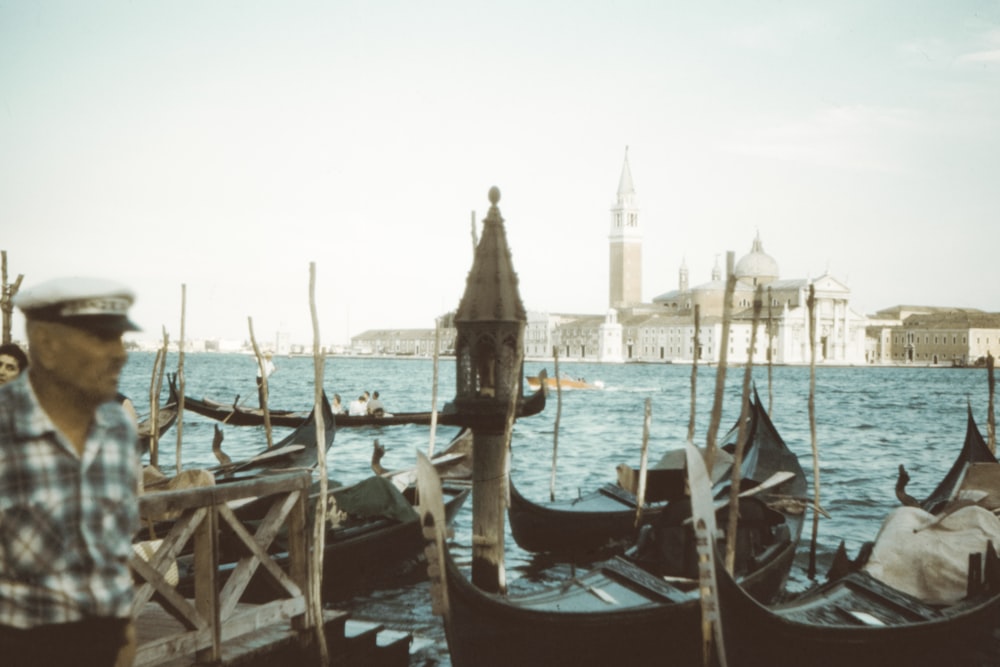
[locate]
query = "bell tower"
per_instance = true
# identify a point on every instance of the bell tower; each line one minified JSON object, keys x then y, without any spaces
{"x":625,"y":243}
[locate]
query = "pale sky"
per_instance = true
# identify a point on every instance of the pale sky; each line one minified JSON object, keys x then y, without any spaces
{"x":225,"y":145}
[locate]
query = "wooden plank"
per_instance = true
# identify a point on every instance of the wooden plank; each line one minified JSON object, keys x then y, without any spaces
{"x":175,"y":541}
{"x":171,"y":601}
{"x":172,"y":647}
{"x":206,"y":558}
{"x":264,"y":645}
{"x":298,"y":562}
{"x":161,"y":502}
{"x":251,"y":618}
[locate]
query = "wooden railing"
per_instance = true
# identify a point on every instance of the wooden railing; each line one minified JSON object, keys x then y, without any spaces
{"x":214,"y":614}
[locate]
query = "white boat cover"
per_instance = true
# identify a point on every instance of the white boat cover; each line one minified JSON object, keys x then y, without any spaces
{"x":927,"y":556}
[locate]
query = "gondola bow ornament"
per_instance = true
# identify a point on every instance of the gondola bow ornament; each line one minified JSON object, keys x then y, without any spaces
{"x":434,"y":524}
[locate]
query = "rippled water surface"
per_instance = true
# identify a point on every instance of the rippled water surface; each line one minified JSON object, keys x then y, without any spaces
{"x":868,"y":421}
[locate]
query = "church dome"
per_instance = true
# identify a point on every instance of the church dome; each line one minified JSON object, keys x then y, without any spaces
{"x":757,"y":267}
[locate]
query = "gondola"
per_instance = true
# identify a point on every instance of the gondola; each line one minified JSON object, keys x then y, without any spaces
{"x":298,"y":449}
{"x":237,"y":415}
{"x":620,"y":613}
{"x":864,"y":617}
{"x":601,"y":522}
{"x":453,"y":463}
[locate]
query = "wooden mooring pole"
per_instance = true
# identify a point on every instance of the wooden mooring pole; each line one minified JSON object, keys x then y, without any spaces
{"x":180,"y":381}
{"x":812,"y":428}
{"x":720,"y":372}
{"x":319,"y":525}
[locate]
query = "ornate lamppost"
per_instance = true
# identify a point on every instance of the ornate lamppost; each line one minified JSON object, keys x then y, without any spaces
{"x":489,"y":363}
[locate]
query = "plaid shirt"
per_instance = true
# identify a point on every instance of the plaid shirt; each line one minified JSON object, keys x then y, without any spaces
{"x":66,"y":521}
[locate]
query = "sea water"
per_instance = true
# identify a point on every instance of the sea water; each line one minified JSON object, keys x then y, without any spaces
{"x":868,"y":421}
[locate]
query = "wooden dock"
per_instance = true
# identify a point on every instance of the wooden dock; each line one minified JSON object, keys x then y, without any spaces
{"x":215,"y":627}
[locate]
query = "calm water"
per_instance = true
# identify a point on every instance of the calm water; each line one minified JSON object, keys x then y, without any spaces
{"x":869,"y":420}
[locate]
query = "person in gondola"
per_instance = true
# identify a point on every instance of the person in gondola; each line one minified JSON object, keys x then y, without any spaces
{"x":69,"y":479}
{"x":336,"y":406}
{"x":358,"y":407}
{"x":375,"y":406}
{"x":268,"y":368}
{"x":13,"y":361}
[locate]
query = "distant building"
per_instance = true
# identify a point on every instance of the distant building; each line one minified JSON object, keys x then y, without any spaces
{"x":283,"y":343}
{"x":935,"y":336}
{"x":403,"y":342}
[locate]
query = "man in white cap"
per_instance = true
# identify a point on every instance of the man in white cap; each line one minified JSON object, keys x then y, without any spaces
{"x":69,"y":474}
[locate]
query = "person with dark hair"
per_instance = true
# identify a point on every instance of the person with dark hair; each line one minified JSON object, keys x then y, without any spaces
{"x":69,"y":480}
{"x":13,"y":361}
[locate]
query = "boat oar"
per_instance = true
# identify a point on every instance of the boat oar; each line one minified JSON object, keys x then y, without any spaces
{"x":703,"y":516}
{"x":235,"y":408}
{"x":774,"y":480}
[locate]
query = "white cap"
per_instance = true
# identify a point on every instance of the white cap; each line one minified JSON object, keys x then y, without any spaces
{"x":89,"y":303}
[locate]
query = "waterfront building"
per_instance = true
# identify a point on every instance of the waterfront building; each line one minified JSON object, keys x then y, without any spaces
{"x":403,"y":342}
{"x":935,"y":336}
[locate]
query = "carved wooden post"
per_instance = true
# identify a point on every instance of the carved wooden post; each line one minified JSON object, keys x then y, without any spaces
{"x":489,"y":347}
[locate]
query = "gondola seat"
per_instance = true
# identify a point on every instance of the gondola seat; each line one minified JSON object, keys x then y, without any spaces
{"x":666,"y":548}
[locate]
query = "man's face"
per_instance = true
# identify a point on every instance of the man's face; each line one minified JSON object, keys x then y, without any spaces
{"x":87,"y":362}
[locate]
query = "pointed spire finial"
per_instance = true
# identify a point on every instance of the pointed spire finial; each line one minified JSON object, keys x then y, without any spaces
{"x":493,"y":215}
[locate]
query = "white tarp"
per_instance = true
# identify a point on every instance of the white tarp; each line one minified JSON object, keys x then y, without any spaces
{"x":928,"y":558}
